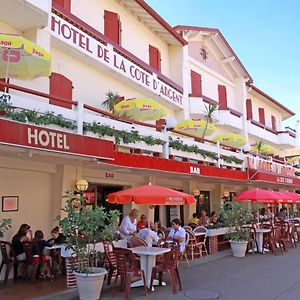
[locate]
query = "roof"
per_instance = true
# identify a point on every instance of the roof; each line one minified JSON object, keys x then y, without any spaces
{"x":218,"y":34}
{"x":288,"y":112}
{"x":146,"y":14}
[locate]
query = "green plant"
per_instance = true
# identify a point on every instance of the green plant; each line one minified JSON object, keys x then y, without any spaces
{"x":84,"y":227}
{"x":5,"y":224}
{"x":234,"y":215}
{"x":210,"y":109}
{"x":110,"y":101}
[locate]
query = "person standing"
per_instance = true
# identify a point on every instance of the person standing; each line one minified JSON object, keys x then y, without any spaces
{"x":128,"y":225}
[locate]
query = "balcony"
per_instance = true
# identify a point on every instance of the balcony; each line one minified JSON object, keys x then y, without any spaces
{"x":230,"y":119}
{"x":198,"y":107}
{"x":13,"y":11}
{"x":285,"y":139}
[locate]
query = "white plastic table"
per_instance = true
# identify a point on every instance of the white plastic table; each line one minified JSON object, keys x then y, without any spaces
{"x":259,"y":238}
{"x":148,"y":256}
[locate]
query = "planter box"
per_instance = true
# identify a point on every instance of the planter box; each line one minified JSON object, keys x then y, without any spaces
{"x":191,"y":155}
{"x":218,"y":231}
{"x":97,"y":136}
{"x":143,"y":146}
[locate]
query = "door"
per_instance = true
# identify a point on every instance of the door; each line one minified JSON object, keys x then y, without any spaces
{"x":203,"y":202}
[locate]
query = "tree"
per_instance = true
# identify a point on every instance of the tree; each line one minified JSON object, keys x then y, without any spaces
{"x":110,"y":101}
{"x":210,"y":109}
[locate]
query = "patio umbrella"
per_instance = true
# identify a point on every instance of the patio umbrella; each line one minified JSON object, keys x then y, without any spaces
{"x":22,"y":59}
{"x":151,"y":195}
{"x":265,"y":149}
{"x":259,"y":196}
{"x":140,"y":109}
{"x":195,"y":127}
{"x":231,"y":140}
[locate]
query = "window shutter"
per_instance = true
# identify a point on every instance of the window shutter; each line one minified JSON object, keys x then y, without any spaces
{"x":196,"y":83}
{"x":60,"y":86}
{"x":2,"y":88}
{"x":154,"y":58}
{"x":261,"y":113}
{"x":273,"y":123}
{"x":112,"y":26}
{"x":66,"y":4}
{"x":249,"y":109}
{"x":222,"y":96}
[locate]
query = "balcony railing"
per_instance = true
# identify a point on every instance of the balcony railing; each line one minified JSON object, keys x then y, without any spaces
{"x":148,"y":138}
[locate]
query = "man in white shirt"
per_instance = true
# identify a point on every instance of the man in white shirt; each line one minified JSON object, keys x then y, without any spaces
{"x":143,"y":233}
{"x":177,"y":233}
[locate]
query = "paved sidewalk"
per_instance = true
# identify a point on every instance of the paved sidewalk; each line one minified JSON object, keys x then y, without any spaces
{"x":255,"y":277}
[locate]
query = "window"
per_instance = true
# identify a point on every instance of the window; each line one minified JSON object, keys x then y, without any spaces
{"x":222,"y":96}
{"x":112,"y":26}
{"x":65,"y":4}
{"x":249,"y":109}
{"x":60,"y":86}
{"x":196,"y":83}
{"x":273,"y":119}
{"x":261,"y":114}
{"x":154,"y":58}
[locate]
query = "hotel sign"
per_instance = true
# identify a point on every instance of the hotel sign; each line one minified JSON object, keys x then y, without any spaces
{"x":107,"y":56}
{"x":28,"y":136}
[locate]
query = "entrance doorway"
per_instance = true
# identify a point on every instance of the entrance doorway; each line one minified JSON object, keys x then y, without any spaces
{"x":100,"y":192}
{"x":203,"y":202}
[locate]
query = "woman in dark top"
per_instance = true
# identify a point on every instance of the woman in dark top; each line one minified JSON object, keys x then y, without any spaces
{"x":23,"y":235}
{"x":38,"y":246}
{"x":57,"y":237}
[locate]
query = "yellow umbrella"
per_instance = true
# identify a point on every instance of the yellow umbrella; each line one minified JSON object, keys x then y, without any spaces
{"x":263,"y":149}
{"x":231,"y":140}
{"x":140,"y":109}
{"x":195,"y":127}
{"x":22,"y":59}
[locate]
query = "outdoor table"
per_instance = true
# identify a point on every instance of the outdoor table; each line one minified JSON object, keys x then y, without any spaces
{"x":148,"y":256}
{"x":259,"y":238}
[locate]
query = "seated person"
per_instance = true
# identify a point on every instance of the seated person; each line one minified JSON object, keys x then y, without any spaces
{"x":214,"y":217}
{"x":269,"y":214}
{"x":204,"y":220}
{"x":142,"y":223}
{"x":177,"y":233}
{"x":143,"y":233}
{"x":24,"y":234}
{"x":57,"y":237}
{"x":194,"y":219}
{"x":282,"y":213}
{"x":38,"y":247}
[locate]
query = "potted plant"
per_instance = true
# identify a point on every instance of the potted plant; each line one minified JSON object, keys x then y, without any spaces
{"x":111,"y":100}
{"x":85,"y":227}
{"x":5,"y":224}
{"x":234,"y":215}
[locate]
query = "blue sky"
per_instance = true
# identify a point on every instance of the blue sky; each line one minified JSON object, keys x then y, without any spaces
{"x":265,"y":34}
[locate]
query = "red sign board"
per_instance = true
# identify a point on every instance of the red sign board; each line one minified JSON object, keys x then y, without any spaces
{"x":172,"y":166}
{"x":18,"y":134}
{"x":260,"y":176}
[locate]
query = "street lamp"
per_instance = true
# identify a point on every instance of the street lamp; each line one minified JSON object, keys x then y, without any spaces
{"x":82,"y":185}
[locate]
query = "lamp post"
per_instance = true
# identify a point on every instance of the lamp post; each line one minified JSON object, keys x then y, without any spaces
{"x":82,"y":185}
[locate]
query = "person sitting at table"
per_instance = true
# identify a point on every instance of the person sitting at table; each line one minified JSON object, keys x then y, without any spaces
{"x":204,"y":220}
{"x":142,"y":223}
{"x":128,"y":225}
{"x":24,"y":234}
{"x":57,"y":237}
{"x":143,"y":233}
{"x":214,"y":217}
{"x":39,"y":256}
{"x":269,"y":214}
{"x":177,"y":233}
{"x":282,"y":213}
{"x":194,"y":219}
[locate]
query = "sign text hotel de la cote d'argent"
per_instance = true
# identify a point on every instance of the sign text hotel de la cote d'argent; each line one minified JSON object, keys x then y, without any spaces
{"x":105,"y":54}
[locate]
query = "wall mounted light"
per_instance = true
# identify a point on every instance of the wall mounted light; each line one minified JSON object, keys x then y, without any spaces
{"x":82,"y":185}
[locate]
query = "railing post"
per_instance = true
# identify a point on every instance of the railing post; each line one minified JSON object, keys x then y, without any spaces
{"x":80,"y":117}
{"x":166,"y":149}
{"x":218,"y":153}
